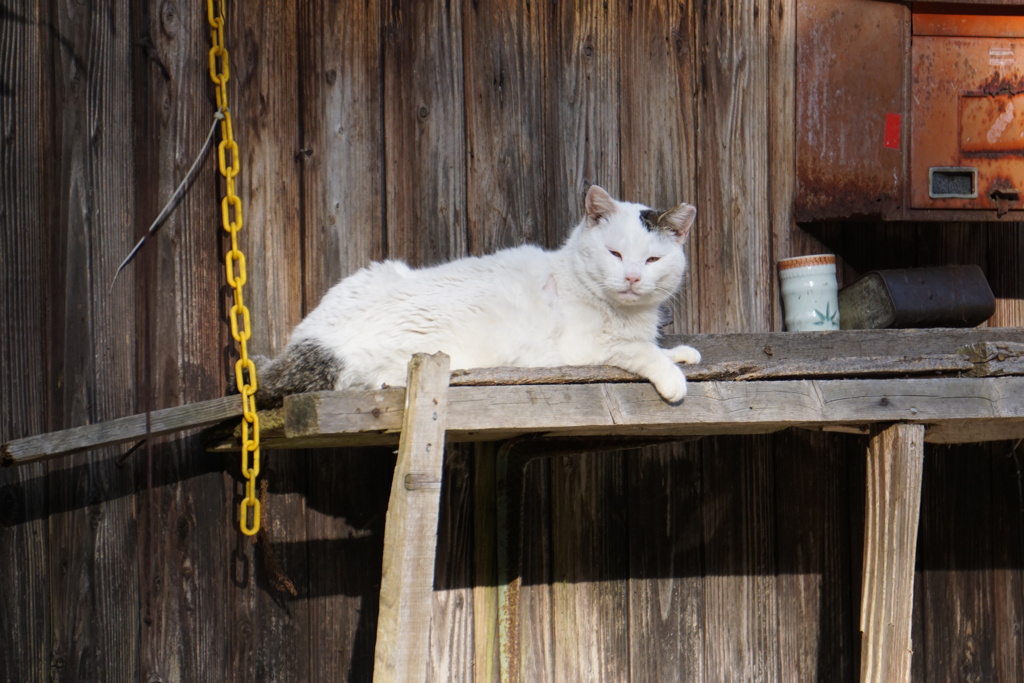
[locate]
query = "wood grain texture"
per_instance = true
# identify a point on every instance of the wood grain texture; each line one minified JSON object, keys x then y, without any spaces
{"x":424,"y":149}
{"x":506,"y":179}
{"x":410,"y":536}
{"x":815,"y":526}
{"x":740,"y":554}
{"x":27,"y":282}
{"x":183,"y":506}
{"x":666,"y":596}
{"x":955,"y":409}
{"x":895,"y":462}
{"x":583,"y":68}
{"x":119,"y":430}
{"x":340,"y":158}
{"x":733,"y":253}
{"x":964,"y":648}
{"x":93,"y":571}
{"x":657,"y":127}
{"x":265,"y":100}
{"x":340,"y":153}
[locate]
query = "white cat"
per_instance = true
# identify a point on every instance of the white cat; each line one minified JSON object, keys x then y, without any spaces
{"x":594,"y":301}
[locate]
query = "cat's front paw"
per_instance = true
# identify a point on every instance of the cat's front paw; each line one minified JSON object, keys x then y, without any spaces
{"x":684,"y":354}
{"x":671,"y":386}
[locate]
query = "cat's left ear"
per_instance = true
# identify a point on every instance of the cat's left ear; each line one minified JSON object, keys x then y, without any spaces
{"x":678,"y":221}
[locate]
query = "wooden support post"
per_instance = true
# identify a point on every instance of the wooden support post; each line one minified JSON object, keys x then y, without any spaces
{"x":410,"y":533}
{"x":894,"y":466}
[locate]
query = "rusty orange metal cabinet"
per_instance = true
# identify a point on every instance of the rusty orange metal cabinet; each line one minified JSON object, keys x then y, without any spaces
{"x":909,"y":112}
{"x":967,"y":111}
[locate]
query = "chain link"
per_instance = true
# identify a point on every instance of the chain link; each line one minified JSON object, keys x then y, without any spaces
{"x":234,"y":263}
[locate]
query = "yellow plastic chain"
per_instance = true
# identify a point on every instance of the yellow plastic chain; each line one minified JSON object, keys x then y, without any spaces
{"x":231,"y":216}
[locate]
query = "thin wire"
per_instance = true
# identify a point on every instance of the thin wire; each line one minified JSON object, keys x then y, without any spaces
{"x":175,"y":199}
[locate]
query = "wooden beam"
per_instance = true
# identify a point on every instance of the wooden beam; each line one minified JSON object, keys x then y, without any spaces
{"x":894,"y":468}
{"x":120,"y":430}
{"x":955,"y":410}
{"x":410,"y":534}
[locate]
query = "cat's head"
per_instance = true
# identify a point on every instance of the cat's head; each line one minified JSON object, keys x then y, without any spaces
{"x":632,"y":254}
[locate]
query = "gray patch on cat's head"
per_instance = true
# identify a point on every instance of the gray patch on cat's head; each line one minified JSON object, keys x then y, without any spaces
{"x":304,"y":366}
{"x":674,"y":222}
{"x":649,"y":219}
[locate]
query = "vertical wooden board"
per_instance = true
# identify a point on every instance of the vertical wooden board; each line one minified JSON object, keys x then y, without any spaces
{"x":892,"y":505}
{"x":590,"y":599}
{"x":486,"y":640}
{"x":342,"y":141}
{"x":506,"y":180}
{"x":740,"y":594}
{"x":186,"y":506}
{"x":342,"y":227}
{"x":265,"y":114}
{"x":581,"y":108}
{"x":26,"y":157}
{"x":590,"y":591}
{"x":347,"y":503}
{"x":452,"y":654}
{"x":666,"y":600}
{"x":955,"y":568}
{"x":1008,"y":561}
{"x":733,"y":250}
{"x":425,"y":159}
{"x":266,"y":126}
{"x":94,"y":585}
{"x":1005,"y":273}
{"x":402,"y":649}
{"x":788,"y":239}
{"x":658,"y":146}
{"x":816,"y":612}
{"x":536,"y":623}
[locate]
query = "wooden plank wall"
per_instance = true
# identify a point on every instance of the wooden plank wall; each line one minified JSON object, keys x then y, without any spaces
{"x":426,"y":131}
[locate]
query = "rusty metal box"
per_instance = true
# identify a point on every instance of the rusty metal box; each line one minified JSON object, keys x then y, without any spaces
{"x":909,"y":111}
{"x":967,"y":111}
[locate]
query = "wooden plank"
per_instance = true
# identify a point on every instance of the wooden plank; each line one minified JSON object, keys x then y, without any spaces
{"x":30,"y":290}
{"x":424,"y":140}
{"x":894,"y":468}
{"x":184,"y":512}
{"x":658,"y":127}
{"x":90,"y":342}
{"x":955,"y":409}
{"x":740,"y":605}
{"x":410,"y":535}
{"x":589,"y":595}
{"x":733,"y":257}
{"x":960,"y":523}
{"x":266,"y":114}
{"x":119,"y":430}
{"x":342,"y":142}
{"x":814,"y":573}
{"x":341,"y":167}
{"x":452,"y":650}
{"x":667,"y":599}
{"x":583,"y":73}
{"x":504,"y":116}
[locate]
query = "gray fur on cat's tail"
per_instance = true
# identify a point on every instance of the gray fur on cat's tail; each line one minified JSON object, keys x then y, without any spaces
{"x":304,"y":366}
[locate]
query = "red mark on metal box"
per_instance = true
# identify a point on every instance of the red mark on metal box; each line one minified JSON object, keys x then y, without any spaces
{"x":892,"y":130}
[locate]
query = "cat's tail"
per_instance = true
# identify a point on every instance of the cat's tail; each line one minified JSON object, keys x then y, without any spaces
{"x":303,"y":366}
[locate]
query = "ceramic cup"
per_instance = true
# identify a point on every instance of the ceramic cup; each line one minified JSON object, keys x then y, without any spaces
{"x":810,"y":296}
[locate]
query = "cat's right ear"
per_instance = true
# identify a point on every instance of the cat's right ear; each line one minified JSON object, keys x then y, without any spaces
{"x":599,"y":205}
{"x":678,"y":221}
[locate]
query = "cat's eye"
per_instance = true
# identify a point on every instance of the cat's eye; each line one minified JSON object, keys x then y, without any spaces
{"x":653,"y":259}
{"x":615,"y":254}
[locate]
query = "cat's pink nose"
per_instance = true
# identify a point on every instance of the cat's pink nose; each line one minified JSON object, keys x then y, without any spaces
{"x":632,"y":279}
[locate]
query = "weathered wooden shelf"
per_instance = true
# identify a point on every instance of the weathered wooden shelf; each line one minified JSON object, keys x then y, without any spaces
{"x":898,"y":388}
